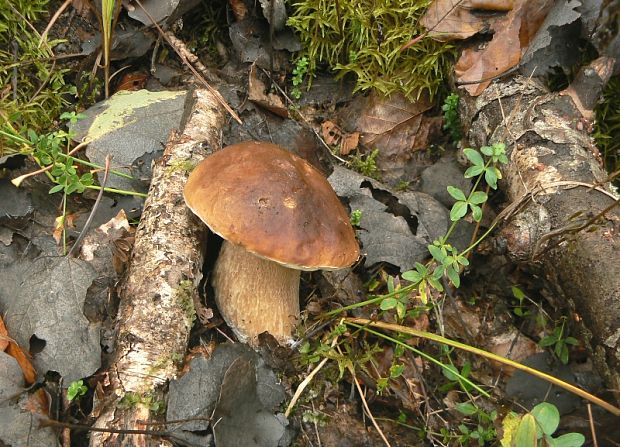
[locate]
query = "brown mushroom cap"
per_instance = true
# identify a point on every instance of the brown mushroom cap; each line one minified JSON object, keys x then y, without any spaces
{"x":274,"y":204}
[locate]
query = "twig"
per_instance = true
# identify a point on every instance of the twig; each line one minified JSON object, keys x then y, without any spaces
{"x":275,"y":84}
{"x":95,"y":206}
{"x":18,"y":180}
{"x":53,"y":20}
{"x":202,"y":80}
{"x":592,"y":429}
{"x":302,"y":386}
{"x":425,"y":33}
{"x":481,"y":352}
{"x":367,"y":410}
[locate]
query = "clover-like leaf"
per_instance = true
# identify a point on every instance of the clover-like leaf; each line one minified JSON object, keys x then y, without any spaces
{"x":473,"y":171}
{"x":388,"y":303}
{"x":474,"y":157}
{"x":459,"y":209}
{"x":456,"y":193}
{"x":476,"y":212}
{"x":478,"y":197}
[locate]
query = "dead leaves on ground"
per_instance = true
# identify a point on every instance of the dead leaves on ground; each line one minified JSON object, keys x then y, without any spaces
{"x":513,"y":23}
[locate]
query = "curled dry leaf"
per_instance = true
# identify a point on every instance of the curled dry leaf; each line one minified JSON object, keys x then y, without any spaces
{"x":11,"y":347}
{"x":336,"y":137}
{"x":452,"y":19}
{"x":257,"y":94}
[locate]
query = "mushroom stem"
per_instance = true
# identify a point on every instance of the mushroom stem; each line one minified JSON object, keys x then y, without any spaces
{"x":255,"y":295}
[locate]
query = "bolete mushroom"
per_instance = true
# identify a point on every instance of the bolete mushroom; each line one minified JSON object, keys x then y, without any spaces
{"x":277,"y":215}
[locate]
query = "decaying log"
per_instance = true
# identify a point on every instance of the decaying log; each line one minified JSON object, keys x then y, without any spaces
{"x":566,"y":220}
{"x":156,"y":308}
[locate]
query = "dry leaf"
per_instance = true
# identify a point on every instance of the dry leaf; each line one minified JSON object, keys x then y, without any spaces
{"x":349,"y":143}
{"x":332,"y":134}
{"x":9,"y":345}
{"x":132,"y":81}
{"x":510,"y":41}
{"x":269,"y":101}
{"x":396,"y":127}
{"x":448,"y":20}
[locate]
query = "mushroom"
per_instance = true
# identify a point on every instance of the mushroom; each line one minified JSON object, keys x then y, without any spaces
{"x":277,"y":215}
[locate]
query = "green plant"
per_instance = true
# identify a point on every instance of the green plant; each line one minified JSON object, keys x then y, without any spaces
{"x":299,"y":73}
{"x":76,"y":389}
{"x":366,"y":164}
{"x":364,"y":38}
{"x":451,"y":119}
{"x":535,"y":429}
{"x":132,"y":399}
{"x":607,"y":126}
{"x":481,"y":430}
{"x":559,"y":340}
{"x":356,"y":218}
{"x":519,"y":309}
{"x":37,"y":90}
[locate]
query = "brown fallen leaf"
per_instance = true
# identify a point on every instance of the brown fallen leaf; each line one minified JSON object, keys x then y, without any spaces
{"x":132,"y":81}
{"x":396,"y":127}
{"x":269,"y":101}
{"x":11,"y":347}
{"x":448,"y":20}
{"x":335,"y":136}
{"x":513,"y":34}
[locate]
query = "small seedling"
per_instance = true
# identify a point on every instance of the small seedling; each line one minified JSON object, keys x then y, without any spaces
{"x":356,"y":218}
{"x":76,"y":390}
{"x":559,"y":341}
{"x":299,"y":73}
{"x":535,"y":429}
{"x":366,"y":164}
{"x":451,"y":121}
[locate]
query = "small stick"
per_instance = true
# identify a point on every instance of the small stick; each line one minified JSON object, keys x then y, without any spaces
{"x":95,"y":206}
{"x":202,"y":80}
{"x":18,"y":180}
{"x":367,"y":410}
{"x":53,"y":20}
{"x":302,"y":386}
{"x":592,"y":429}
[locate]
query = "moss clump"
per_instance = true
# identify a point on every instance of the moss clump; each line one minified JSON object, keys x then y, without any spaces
{"x":607,"y":126}
{"x":33,"y":86}
{"x":364,"y":38}
{"x":186,"y":302}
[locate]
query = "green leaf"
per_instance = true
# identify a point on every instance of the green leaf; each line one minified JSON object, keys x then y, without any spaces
{"x":462,"y":260}
{"x":396,"y":371}
{"x":421,"y":268}
{"x":450,"y":372}
{"x":476,"y":212}
{"x":412,"y":275}
{"x":400,"y":310}
{"x":458,"y":211}
{"x":474,"y":157}
{"x":56,"y":189}
{"x":547,"y":341}
{"x":490,"y":176}
{"x":388,"y":303}
{"x":437,"y":253}
{"x":547,"y":416}
{"x":456,"y":193}
{"x":525,"y":435}
{"x":518,"y":293}
{"x":570,"y":440}
{"x":454,"y":276}
{"x":571,"y":341}
{"x":466,"y":408}
{"x":478,"y":197}
{"x":487,"y":150}
{"x":473,"y":171}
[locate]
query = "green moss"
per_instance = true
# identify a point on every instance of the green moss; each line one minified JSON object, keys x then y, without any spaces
{"x":364,"y":38}
{"x":180,"y":165}
{"x":132,"y":399}
{"x":607,"y":127}
{"x":184,"y":296}
{"x":37,"y":92}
